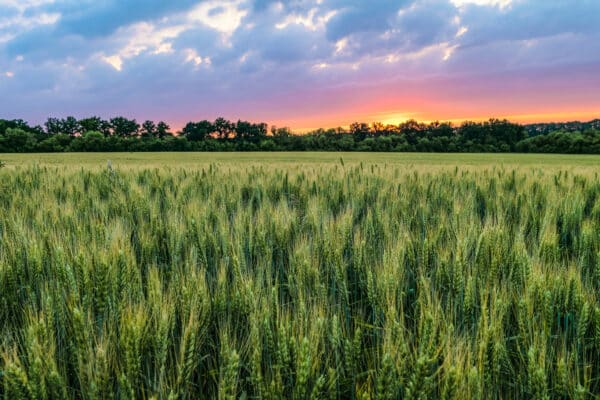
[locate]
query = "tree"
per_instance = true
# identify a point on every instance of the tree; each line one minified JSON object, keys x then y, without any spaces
{"x":378,"y":128}
{"x":359,"y":130}
{"x":53,"y":126}
{"x":412,"y":130}
{"x":55,"y":143}
{"x":94,"y":141}
{"x":247,"y":131}
{"x":470,"y":130}
{"x":96,"y":124}
{"x":148,"y":129}
{"x":20,"y":141}
{"x":70,"y":126}
{"x":195,"y":131}
{"x":5,"y":124}
{"x":507,"y":132}
{"x":440,"y":129}
{"x":124,"y":127}
{"x":163,"y":130}
{"x":223,"y":128}
{"x":280,"y":132}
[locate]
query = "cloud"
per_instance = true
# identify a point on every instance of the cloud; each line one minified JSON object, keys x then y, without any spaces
{"x":529,"y":20}
{"x":427,"y":23}
{"x":498,"y":3}
{"x":41,"y":45}
{"x":210,"y":55}
{"x":360,"y":16}
{"x":284,"y":38}
{"x":224,"y":17}
{"x":90,"y":18}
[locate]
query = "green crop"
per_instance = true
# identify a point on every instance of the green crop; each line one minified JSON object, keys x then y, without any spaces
{"x":307,"y":281}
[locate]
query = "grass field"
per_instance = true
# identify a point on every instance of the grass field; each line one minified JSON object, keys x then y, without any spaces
{"x":150,"y":160}
{"x":299,"y":275}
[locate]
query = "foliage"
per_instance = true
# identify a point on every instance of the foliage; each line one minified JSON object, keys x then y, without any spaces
{"x":342,"y":280}
{"x":122,"y":134}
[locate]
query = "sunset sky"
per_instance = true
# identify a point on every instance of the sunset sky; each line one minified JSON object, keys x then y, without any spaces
{"x":300,"y":63}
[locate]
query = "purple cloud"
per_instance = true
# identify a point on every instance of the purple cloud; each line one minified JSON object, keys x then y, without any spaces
{"x":193,"y":59}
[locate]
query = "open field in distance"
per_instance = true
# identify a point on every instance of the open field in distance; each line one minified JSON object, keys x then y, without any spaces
{"x":163,"y":159}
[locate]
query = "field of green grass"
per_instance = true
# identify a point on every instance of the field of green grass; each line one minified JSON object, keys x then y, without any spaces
{"x":299,"y":275}
{"x":162,"y":159}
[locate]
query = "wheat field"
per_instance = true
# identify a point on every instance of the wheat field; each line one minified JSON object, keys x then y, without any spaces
{"x":312,"y":276}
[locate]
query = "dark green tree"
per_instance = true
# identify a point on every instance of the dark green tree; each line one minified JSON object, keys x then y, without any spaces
{"x":148,"y":129}
{"x":124,"y":127}
{"x":247,"y":131}
{"x":20,"y":141}
{"x":53,"y":126}
{"x":196,"y":131}
{"x":163,"y":130}
{"x":440,"y":129}
{"x":360,"y":131}
{"x":70,"y":126}
{"x":412,"y":130}
{"x":96,"y":124}
{"x":280,"y":132}
{"x":224,"y":128}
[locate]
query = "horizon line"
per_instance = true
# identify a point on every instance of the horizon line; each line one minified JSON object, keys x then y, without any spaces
{"x":523,"y":119}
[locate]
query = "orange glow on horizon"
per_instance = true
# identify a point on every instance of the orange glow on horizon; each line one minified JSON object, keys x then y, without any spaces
{"x":310,"y":124}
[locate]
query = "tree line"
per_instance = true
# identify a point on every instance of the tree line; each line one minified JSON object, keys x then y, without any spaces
{"x":122,"y":134}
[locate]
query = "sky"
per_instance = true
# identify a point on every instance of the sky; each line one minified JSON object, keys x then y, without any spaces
{"x":300,"y":63}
